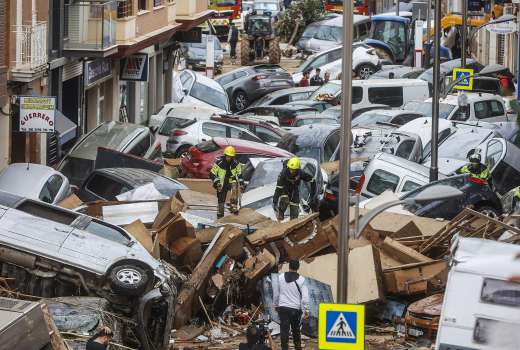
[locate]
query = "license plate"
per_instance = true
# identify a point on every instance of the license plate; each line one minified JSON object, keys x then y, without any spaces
{"x":415,"y":332}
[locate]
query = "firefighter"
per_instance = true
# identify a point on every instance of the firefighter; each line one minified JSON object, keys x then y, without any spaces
{"x":515,"y":205}
{"x":476,"y":169}
{"x":226,"y":175}
{"x":287,"y":193}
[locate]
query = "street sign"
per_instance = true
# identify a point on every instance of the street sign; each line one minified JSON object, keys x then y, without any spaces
{"x":341,"y":327}
{"x":37,"y":114}
{"x":465,"y":84}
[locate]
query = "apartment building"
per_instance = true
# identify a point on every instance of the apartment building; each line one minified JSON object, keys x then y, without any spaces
{"x":103,"y":60}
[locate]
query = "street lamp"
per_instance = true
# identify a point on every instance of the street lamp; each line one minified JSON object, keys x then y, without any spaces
{"x":435,"y":192}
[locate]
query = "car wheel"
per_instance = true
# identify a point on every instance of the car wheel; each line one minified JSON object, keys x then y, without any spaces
{"x":182,"y":151}
{"x":488,"y":211}
{"x":128,"y":280}
{"x":240,"y":100}
{"x":365,"y":70}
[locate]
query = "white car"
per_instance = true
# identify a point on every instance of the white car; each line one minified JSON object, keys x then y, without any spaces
{"x":35,"y":181}
{"x":195,"y":132}
{"x":191,"y":89}
{"x":365,"y":62}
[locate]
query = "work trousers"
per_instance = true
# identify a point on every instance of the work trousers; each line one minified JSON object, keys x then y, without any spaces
{"x":233,"y":49}
{"x":233,"y":200}
{"x":294,"y":206}
{"x":290,"y":319}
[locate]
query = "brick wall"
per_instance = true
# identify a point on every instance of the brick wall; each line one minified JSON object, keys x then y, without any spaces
{"x":3,"y":51}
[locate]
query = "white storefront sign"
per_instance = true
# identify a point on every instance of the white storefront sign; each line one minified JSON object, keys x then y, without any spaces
{"x":37,"y":113}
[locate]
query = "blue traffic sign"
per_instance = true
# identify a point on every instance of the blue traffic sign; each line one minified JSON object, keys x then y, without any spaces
{"x":342,"y":327}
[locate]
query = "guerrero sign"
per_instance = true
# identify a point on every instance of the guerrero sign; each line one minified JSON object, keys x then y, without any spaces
{"x":37,"y":113}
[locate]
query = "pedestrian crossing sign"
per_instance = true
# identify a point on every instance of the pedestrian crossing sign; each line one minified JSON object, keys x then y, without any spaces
{"x":464,"y":84}
{"x":341,"y":326}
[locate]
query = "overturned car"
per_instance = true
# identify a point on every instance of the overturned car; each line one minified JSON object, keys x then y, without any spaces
{"x":50,"y":252}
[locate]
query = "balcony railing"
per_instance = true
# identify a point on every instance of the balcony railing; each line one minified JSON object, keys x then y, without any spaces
{"x":31,"y":46}
{"x":91,"y":25}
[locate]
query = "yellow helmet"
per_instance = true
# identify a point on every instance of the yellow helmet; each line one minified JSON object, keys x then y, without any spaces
{"x":294,"y":163}
{"x":230,"y":151}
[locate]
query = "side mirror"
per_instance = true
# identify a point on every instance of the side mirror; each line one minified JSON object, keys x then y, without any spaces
{"x":74,"y":189}
{"x":185,"y":91}
{"x":153,"y":129}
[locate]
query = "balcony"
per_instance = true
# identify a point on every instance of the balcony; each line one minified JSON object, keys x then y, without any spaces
{"x":31,"y":51}
{"x":90,"y":28}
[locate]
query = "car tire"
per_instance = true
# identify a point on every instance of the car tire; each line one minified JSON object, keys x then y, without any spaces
{"x":181,"y":151}
{"x":488,"y":211}
{"x":365,"y":70}
{"x":240,"y":101}
{"x":128,"y":280}
{"x":244,"y":51}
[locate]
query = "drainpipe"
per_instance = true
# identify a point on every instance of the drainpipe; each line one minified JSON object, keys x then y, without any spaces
{"x":19,"y":34}
{"x":34,"y":14}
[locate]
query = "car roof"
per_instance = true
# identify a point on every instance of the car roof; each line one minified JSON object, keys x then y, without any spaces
{"x":389,"y":82}
{"x":206,"y":81}
{"x":338,"y":21}
{"x":281,"y":107}
{"x":385,"y":17}
{"x":133,"y":176}
{"x":452,"y":99}
{"x":26,"y":179}
{"x":313,"y":133}
{"x":391,"y":112}
{"x":292,"y":90}
{"x":251,"y":146}
{"x":406,"y":165}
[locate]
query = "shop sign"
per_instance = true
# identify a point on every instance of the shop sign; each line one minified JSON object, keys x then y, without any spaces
{"x":135,"y":67}
{"x":97,"y":71}
{"x":37,"y":114}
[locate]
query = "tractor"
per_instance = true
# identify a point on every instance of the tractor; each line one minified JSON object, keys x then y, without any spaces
{"x":258,"y":39}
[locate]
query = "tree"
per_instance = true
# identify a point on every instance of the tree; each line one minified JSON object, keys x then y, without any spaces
{"x":294,"y":20}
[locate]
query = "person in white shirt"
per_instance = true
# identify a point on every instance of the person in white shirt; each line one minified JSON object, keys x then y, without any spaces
{"x":291,"y":300}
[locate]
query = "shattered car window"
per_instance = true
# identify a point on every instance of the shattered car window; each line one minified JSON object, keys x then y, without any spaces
{"x":171,"y":123}
{"x":210,"y":96}
{"x":381,"y":181}
{"x":426,"y":109}
{"x":327,"y":89}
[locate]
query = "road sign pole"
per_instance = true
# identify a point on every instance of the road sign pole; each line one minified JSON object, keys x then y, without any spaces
{"x":434,"y":170}
{"x":344,"y":162}
{"x":464,"y":32}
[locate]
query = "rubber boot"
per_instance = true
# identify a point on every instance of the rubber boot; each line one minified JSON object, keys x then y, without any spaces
{"x":220,"y":210}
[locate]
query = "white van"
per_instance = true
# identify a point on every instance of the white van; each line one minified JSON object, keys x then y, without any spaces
{"x":480,"y":307}
{"x":391,"y":92}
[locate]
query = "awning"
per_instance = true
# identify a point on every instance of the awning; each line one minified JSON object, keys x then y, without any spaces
{"x":65,"y":127}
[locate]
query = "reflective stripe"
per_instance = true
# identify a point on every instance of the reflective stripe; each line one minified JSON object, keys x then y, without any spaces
{"x":279,"y":186}
{"x":484,"y":175}
{"x":292,"y":203}
{"x":517,"y":192}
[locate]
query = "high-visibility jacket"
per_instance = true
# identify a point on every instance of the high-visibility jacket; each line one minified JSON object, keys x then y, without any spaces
{"x":226,"y":172}
{"x":484,"y":174}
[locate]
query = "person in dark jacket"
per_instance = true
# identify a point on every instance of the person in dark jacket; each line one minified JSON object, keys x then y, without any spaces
{"x":287,"y":193}
{"x":100,"y":340}
{"x":317,"y":80}
{"x":233,"y":40}
{"x":226,"y":175}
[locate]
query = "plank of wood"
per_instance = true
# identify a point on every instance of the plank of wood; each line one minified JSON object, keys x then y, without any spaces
{"x":57,"y":342}
{"x":279,"y":230}
{"x":365,"y":281}
{"x":402,"y":253}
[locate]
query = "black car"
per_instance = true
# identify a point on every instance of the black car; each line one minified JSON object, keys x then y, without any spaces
{"x":245,"y":85}
{"x":285,"y":113}
{"x":317,"y":141}
{"x":108,"y":183}
{"x":478,"y":196}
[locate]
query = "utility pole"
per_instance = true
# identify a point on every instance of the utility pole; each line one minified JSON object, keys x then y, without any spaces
{"x":344,"y":163}
{"x":397,"y":7}
{"x":434,"y":170}
{"x":464,"y":32}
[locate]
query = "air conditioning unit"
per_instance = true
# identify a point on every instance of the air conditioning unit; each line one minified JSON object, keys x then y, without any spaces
{"x":22,"y":325}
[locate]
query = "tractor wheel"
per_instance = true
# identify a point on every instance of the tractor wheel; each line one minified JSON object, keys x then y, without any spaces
{"x":275,"y":54}
{"x":244,"y":51}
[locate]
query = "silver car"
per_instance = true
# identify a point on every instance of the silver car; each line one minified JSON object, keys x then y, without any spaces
{"x":64,"y":253}
{"x":35,"y":181}
{"x":195,"y":54}
{"x":128,"y":138}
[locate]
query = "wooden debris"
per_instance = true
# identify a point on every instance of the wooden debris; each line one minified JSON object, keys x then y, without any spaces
{"x":365,"y":282}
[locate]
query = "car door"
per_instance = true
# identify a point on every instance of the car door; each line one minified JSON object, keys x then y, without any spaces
{"x":330,"y":146}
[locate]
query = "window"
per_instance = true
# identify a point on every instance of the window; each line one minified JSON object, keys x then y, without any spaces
{"x":357,"y":94}
{"x":141,"y":5}
{"x":362,"y":30}
{"x":318,"y":62}
{"x":51,"y":189}
{"x":330,"y":146}
{"x":404,"y":118}
{"x":499,"y":334}
{"x":267,"y":135}
{"x":496,"y":108}
{"x":500,"y":292}
{"x":105,"y":187}
{"x":482,"y":110}
{"x":410,"y":186}
{"x":157,"y":3}
{"x":47,"y":212}
{"x":214,"y":130}
{"x":210,"y":96}
{"x":334,"y":55}
{"x":171,"y":123}
{"x":494,"y":153}
{"x":124,"y":8}
{"x":390,"y":95}
{"x":236,"y":133}
{"x":281,"y":100}
{"x":405,"y":148}
{"x":298,"y":96}
{"x":381,"y":181}
{"x":141,"y":147}
{"x":102,"y":230}
{"x":186,"y":79}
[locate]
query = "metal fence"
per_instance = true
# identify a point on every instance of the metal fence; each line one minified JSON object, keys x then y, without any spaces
{"x":31,"y":45}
